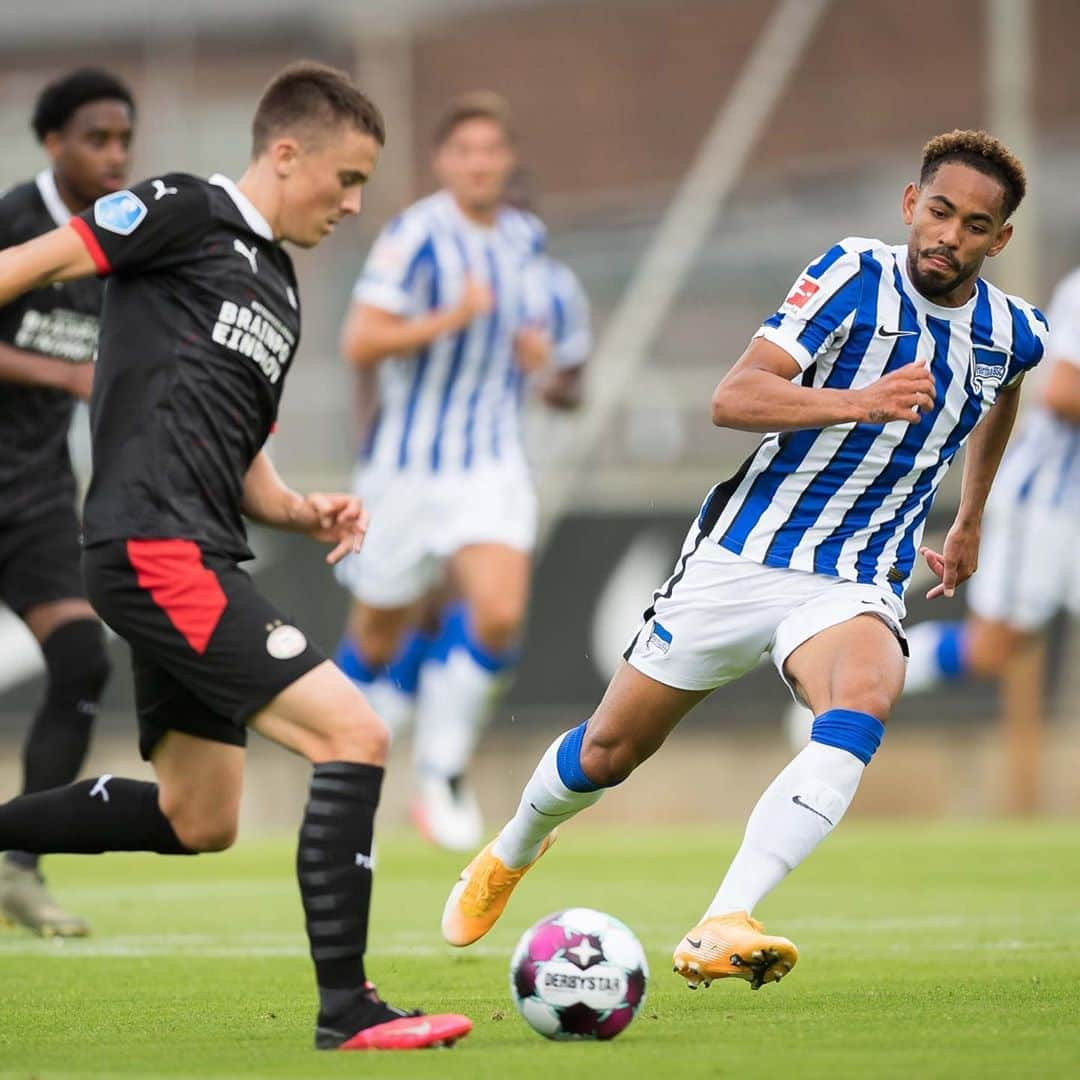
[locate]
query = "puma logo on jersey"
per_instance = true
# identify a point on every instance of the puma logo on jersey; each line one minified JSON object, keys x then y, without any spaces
{"x":100,"y":787}
{"x":160,"y":190}
{"x":249,"y":253}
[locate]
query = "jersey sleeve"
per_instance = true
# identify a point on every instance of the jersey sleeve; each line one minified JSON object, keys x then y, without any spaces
{"x":1064,"y":317}
{"x":812,"y":318}
{"x":571,"y":328}
{"x":400,"y":261}
{"x":153,"y":221}
{"x":1030,"y":334}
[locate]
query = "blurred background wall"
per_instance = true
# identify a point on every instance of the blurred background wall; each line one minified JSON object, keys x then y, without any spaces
{"x":612,"y":100}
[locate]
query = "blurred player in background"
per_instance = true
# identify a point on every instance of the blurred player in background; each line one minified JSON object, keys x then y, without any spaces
{"x":457,"y":308}
{"x":200,"y":323}
{"x":48,"y":339}
{"x":879,"y":366}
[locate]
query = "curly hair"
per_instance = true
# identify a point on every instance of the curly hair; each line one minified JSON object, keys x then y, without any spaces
{"x":982,"y":152}
{"x":58,"y":101}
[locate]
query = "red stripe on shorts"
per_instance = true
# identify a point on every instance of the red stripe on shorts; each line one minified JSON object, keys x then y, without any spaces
{"x":191,"y":596}
{"x":86,"y":234}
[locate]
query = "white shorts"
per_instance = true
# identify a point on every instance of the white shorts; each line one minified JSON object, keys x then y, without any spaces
{"x":720,"y":613}
{"x":1028,"y":565}
{"x":419,"y":521}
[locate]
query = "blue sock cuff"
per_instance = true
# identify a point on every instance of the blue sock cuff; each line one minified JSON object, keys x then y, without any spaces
{"x":951,"y":660}
{"x":858,"y":733}
{"x":568,"y":761}
{"x":404,"y":670}
{"x":457,"y":634}
{"x":349,"y":659}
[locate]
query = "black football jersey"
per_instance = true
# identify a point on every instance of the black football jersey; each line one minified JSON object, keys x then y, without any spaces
{"x":61,"y":322}
{"x":200,"y":321}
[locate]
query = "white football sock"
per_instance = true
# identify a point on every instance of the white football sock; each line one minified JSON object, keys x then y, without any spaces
{"x":394,"y":705}
{"x":924,"y":664}
{"x":454,"y":705}
{"x":798,"y":810}
{"x":545,"y":803}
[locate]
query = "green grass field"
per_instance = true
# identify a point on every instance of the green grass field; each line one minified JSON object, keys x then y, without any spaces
{"x":927,"y":950}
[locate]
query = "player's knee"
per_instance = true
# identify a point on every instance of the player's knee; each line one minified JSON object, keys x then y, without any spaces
{"x":203,"y":833}
{"x":362,"y":738}
{"x":77,"y":662}
{"x":377,"y":639}
{"x":497,"y":622}
{"x":872,"y":696}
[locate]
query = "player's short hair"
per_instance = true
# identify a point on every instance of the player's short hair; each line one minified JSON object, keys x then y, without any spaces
{"x":475,"y":105}
{"x":308,"y":94}
{"x":982,"y":152}
{"x":58,"y":101}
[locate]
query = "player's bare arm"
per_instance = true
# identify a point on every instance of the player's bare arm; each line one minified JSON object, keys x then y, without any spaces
{"x":59,"y":255}
{"x":758,"y":394}
{"x":328,"y":517}
{"x":371,"y":334}
{"x":1062,"y":393}
{"x":959,"y":556}
{"x":32,"y":369}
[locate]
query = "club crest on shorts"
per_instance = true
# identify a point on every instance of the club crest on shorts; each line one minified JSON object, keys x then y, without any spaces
{"x":659,"y":639}
{"x":284,"y":642}
{"x":122,"y":212}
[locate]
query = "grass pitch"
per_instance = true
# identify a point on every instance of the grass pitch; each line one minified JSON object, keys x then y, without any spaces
{"x":927,"y":950}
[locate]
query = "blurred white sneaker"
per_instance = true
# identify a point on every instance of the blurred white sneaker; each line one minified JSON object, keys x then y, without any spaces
{"x":446,"y":812}
{"x":798,"y":721}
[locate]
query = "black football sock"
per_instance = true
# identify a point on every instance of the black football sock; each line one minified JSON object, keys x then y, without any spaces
{"x":333,"y":865}
{"x":59,"y":736}
{"x":107,"y":813}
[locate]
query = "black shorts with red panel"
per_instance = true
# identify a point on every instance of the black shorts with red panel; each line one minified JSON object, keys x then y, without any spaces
{"x":208,"y":651}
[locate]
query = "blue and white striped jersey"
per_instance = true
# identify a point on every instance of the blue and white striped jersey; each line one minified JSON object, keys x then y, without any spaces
{"x":562,"y":306}
{"x":456,"y":403}
{"x":851,"y":500}
{"x":1042,"y":465}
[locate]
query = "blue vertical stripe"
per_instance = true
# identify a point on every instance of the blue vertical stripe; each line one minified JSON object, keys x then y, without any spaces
{"x":423,"y":358}
{"x":457,"y":357}
{"x":1027,"y":348}
{"x":485,"y":362}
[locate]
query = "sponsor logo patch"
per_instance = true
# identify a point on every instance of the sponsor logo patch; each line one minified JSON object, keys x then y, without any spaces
{"x":802,"y":292}
{"x":284,"y":642}
{"x":122,"y":212}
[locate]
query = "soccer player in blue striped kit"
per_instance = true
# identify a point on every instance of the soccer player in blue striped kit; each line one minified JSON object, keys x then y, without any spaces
{"x":882,"y":362}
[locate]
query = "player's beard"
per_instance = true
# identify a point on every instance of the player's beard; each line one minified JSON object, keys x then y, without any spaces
{"x":932,"y":286}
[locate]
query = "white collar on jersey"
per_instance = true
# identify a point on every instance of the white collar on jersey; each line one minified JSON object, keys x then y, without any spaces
{"x":928,"y":307}
{"x":46,"y":185}
{"x":256,"y":222}
{"x":462,"y":220}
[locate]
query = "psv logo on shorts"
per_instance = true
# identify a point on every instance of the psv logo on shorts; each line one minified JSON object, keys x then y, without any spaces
{"x":285,"y":642}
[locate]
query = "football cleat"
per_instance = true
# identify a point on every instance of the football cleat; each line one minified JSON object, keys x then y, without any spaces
{"x":374,"y":1025}
{"x":446,"y":813}
{"x":479,"y":896}
{"x":25,"y":900}
{"x":733,"y":946}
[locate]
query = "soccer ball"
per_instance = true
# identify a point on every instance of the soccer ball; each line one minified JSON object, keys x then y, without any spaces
{"x":578,"y":974}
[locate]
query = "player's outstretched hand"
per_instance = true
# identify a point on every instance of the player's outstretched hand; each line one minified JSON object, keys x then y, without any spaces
{"x":904,"y":394}
{"x":956,"y":561}
{"x":532,"y":347}
{"x":336,"y":519}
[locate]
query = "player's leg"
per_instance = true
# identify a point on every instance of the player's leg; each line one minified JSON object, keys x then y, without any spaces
{"x":322,"y":717}
{"x":381,"y":652}
{"x":850,"y":674}
{"x":43,"y":584}
{"x":634,"y":718}
{"x":468,"y":664}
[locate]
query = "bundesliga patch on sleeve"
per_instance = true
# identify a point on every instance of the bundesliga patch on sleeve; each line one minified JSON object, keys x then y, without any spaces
{"x":122,"y":212}
{"x":802,"y":292}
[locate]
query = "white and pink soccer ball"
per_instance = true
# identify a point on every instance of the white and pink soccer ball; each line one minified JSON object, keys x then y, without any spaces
{"x":578,"y":974}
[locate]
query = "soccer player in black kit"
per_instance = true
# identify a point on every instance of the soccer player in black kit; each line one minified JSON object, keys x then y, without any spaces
{"x":48,"y":338}
{"x":199,"y":328}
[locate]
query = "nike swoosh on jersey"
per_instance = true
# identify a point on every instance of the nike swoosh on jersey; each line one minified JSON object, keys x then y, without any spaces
{"x":882,"y":332}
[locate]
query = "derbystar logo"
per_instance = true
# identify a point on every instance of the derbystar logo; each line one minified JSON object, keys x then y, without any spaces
{"x":253,"y":331}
